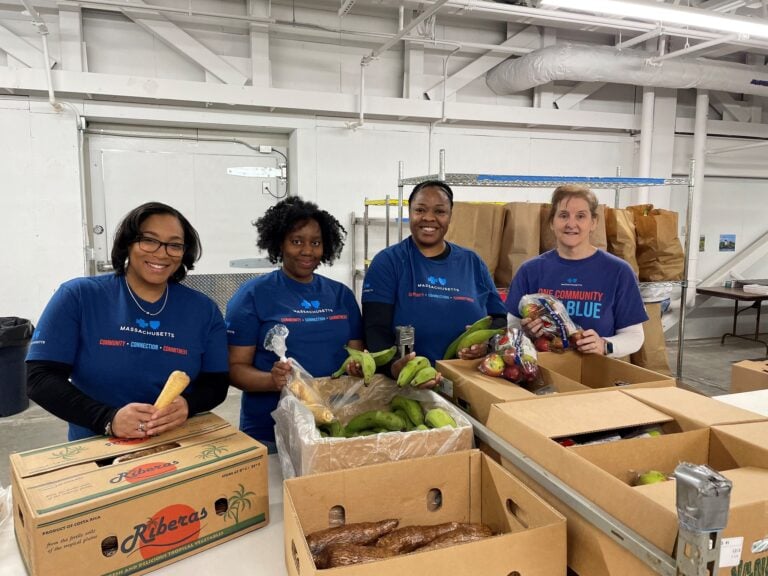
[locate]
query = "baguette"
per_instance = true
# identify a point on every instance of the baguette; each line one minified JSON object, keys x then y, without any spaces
{"x":174,"y":386}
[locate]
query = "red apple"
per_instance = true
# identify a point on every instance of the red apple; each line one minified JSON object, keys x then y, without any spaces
{"x":512,"y":373}
{"x":542,"y":344}
{"x":510,"y":356}
{"x":492,"y":365}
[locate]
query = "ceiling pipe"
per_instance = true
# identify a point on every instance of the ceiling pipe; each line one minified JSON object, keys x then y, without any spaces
{"x":587,"y":63}
{"x":374,"y":55}
{"x":42,"y":29}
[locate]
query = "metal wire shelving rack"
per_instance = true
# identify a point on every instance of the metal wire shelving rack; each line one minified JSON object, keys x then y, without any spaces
{"x":656,"y":559}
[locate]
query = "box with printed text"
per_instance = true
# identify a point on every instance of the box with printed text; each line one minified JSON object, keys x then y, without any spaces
{"x":78,"y":509}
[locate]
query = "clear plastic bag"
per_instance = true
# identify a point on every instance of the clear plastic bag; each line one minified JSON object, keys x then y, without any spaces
{"x":302,"y":450}
{"x":559,"y":329}
{"x":301,"y":382}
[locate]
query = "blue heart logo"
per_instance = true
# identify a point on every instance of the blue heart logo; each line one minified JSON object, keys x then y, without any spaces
{"x":315,"y":304}
{"x":154,"y":324}
{"x":141,"y":323}
{"x":442,"y":281}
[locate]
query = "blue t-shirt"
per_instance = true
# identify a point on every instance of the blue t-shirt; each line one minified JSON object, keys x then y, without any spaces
{"x":322,"y":316}
{"x":599,"y":292}
{"x":119,"y":354}
{"x":438,"y":297}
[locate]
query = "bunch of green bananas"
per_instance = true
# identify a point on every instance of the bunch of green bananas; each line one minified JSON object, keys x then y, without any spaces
{"x":368,"y":361}
{"x":416,"y":372}
{"x":477,"y":333}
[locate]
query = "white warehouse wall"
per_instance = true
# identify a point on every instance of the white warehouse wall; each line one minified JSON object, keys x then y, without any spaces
{"x":329,"y":162}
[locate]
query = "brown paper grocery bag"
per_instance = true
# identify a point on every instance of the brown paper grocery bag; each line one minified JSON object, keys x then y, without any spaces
{"x":478,"y":226}
{"x":597,"y":237}
{"x":653,"y":354}
{"x":519,"y":241}
{"x":659,"y":251}
{"x":620,"y":234}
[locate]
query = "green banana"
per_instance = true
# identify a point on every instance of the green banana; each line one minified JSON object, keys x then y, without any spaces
{"x":375,"y":419}
{"x":410,"y":370}
{"x":411,"y":408}
{"x":383,"y":357}
{"x":364,"y":358}
{"x":453,"y":348}
{"x":478,"y":337}
{"x":400,"y":412}
{"x":423,"y":375}
{"x":437,"y":418}
{"x":421,"y":427}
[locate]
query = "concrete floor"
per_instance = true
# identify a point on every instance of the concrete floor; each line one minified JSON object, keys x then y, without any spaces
{"x":706,"y":368}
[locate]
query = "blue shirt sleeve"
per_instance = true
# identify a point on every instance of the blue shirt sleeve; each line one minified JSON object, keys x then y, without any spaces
{"x":242,"y":320}
{"x":381,"y":280}
{"x":58,"y":331}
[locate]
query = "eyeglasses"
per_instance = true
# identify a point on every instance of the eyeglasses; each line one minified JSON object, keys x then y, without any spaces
{"x":152,"y":245}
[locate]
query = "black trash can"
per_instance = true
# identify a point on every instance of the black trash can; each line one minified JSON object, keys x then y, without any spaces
{"x":15,"y":335}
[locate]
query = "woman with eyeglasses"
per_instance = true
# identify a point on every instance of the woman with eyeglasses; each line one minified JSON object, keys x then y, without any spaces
{"x":435,"y":286}
{"x":105,"y":345}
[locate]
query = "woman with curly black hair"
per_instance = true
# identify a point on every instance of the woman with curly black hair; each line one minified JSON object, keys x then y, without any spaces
{"x":322,"y":315}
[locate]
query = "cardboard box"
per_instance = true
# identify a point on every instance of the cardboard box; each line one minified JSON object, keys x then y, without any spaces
{"x":303,"y":451}
{"x":594,"y":371}
{"x":463,"y":486}
{"x":691,"y":409}
{"x":749,"y":375}
{"x":77,"y":513}
{"x":475,"y":393}
{"x":531,"y":426}
{"x":564,"y":373}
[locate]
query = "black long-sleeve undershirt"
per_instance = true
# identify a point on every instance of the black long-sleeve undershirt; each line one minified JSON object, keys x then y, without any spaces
{"x":49,"y":386}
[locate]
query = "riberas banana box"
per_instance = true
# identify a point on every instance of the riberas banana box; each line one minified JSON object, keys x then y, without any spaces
{"x":113,"y":506}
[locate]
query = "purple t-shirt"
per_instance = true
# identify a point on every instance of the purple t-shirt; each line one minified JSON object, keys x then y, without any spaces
{"x":599,"y":292}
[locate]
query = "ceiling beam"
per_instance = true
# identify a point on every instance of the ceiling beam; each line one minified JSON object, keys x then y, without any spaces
{"x":729,"y":108}
{"x":581,"y":91}
{"x":181,"y":92}
{"x":523,"y":42}
{"x":185,"y":44}
{"x":71,"y":37}
{"x":21,"y":50}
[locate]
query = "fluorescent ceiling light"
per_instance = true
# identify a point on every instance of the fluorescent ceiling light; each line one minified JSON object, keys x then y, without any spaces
{"x":665,"y":14}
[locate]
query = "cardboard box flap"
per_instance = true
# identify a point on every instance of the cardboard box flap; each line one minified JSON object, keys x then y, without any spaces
{"x":50,"y":496}
{"x":749,"y":375}
{"x":692,"y":408}
{"x":560,"y":416}
{"x":748,"y":488}
{"x":95,"y":448}
{"x":747,"y":443}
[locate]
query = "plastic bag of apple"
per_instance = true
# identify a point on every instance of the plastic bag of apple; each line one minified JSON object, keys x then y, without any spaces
{"x":560,"y":332}
{"x":514,"y":359}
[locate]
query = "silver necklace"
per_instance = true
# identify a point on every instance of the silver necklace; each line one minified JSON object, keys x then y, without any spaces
{"x":135,"y":301}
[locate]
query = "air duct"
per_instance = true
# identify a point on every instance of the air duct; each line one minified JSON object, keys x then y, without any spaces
{"x":584,"y":63}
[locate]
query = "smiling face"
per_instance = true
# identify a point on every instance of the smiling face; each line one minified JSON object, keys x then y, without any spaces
{"x":430,"y":214}
{"x":572,"y":225}
{"x":302,"y":251}
{"x":148,"y":272}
